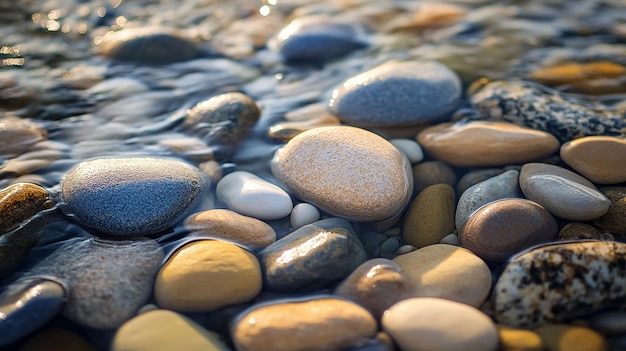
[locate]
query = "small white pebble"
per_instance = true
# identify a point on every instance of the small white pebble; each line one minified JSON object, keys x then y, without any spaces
{"x":451,"y":239}
{"x":303,"y":214}
{"x":410,"y":148}
{"x":405,"y":249}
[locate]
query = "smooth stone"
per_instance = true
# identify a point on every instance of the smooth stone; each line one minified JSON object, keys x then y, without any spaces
{"x":389,"y":248}
{"x":19,"y":135}
{"x":227,"y":225}
{"x":376,"y":284}
{"x":20,"y":202}
{"x":447,"y":272}
{"x":164,"y":330}
{"x":486,"y":144}
{"x":372,"y":240}
{"x":303,"y":214}
{"x":609,"y":322}
{"x":564,"y":193}
{"x":515,"y":339}
{"x":601,"y":159}
{"x":411,"y":149}
{"x":614,"y":221}
{"x":430,"y":217}
{"x":249,"y":195}
{"x":582,"y":231}
{"x":346,"y":171}
{"x":502,"y":228}
{"x":397,"y":93}
{"x":312,"y":257}
{"x":428,"y":323}
{"x":430,"y":173}
{"x":316,"y":323}
{"x":107,"y":281}
{"x":502,"y":186}
{"x":205,"y":275}
{"x":597,"y":78}
{"x":287,"y":130}
{"x":476,"y":176}
{"x":562,"y":337}
{"x":561,"y":281}
{"x":131,"y":196}
{"x":451,"y":239}
{"x":55,"y":339}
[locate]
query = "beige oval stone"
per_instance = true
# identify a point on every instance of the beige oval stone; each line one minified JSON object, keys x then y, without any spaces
{"x":515,"y":339}
{"x":448,"y":272}
{"x":20,"y":202}
{"x":207,"y":274}
{"x":228,"y":225}
{"x":430,"y":217}
{"x":601,"y":159}
{"x":346,"y":171}
{"x":317,"y":324}
{"x":164,"y":330}
{"x":430,"y":173}
{"x":563,"y":337}
{"x":482,"y":143}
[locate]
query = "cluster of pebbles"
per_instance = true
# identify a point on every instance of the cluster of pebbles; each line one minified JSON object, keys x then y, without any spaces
{"x":314,"y":185}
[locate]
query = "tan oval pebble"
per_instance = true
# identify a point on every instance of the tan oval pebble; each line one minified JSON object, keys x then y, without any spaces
{"x":614,"y":221}
{"x":563,"y":337}
{"x":601,"y":159}
{"x":55,"y":339}
{"x":19,"y":135}
{"x":228,"y":225}
{"x":430,"y":173}
{"x":207,"y":274}
{"x":20,"y":202}
{"x":480,"y":143}
{"x":430,"y":217}
{"x":324,"y":323}
{"x":164,"y":330}
{"x":581,"y":231}
{"x":515,"y":339}
{"x":448,"y":272}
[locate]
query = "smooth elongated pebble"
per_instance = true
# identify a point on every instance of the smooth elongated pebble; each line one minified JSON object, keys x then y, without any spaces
{"x":558,"y":282}
{"x":164,"y":330}
{"x":601,"y":159}
{"x":430,"y":173}
{"x":19,"y":135}
{"x":205,"y":275}
{"x":321,"y":323}
{"x":249,"y":195}
{"x":562,"y":192}
{"x":486,"y":144}
{"x":614,"y":221}
{"x":303,"y":214}
{"x":505,"y":185}
{"x":227,"y":225}
{"x":447,"y":272}
{"x":20,"y":202}
{"x":410,"y":148}
{"x":502,"y":228}
{"x":427,"y":323}
{"x":515,"y":339}
{"x":312,"y":257}
{"x":346,"y":171}
{"x":54,"y":339}
{"x":563,"y":337}
{"x":430,"y":217}
{"x":131,"y":196}
{"x":397,"y":93}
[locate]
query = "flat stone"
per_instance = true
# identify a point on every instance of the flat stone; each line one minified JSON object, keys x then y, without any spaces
{"x":411,"y":149}
{"x":430,"y":217}
{"x":427,"y":323}
{"x":303,"y":214}
{"x":614,"y":221}
{"x":164,"y":330}
{"x":55,"y":339}
{"x":227,"y":225}
{"x":447,"y":272}
{"x":397,"y":93}
{"x":515,"y":339}
{"x":312,"y":257}
{"x":486,"y":144}
{"x":319,"y":323}
{"x":187,"y":282}
{"x":558,"y":282}
{"x":20,"y":202}
{"x":601,"y":159}
{"x":562,"y":192}
{"x":562,"y":337}
{"x":249,"y":195}
{"x":131,"y":196}
{"x":346,"y":171}
{"x":19,"y":135}
{"x":430,"y":173}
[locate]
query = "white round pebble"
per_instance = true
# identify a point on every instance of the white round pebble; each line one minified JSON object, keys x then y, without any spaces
{"x":410,"y":148}
{"x":249,"y":195}
{"x":303,"y":214}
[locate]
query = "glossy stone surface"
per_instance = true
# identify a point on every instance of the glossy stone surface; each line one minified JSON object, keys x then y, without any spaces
{"x":601,"y":159}
{"x":20,"y":202}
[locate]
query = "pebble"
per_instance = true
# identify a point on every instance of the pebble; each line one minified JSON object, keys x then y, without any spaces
{"x":128,"y":197}
{"x":504,"y":185}
{"x":430,"y":173}
{"x":475,"y":176}
{"x":514,"y":339}
{"x":19,"y":135}
{"x":558,"y":282}
{"x":451,"y":239}
{"x":582,"y":231}
{"x":430,"y":217}
{"x":286,"y":131}
{"x":448,"y":272}
{"x":230,"y":226}
{"x":562,"y":337}
{"x":601,"y":159}
{"x":389,"y":248}
{"x":428,"y":323}
{"x":312,"y":257}
{"x":598,"y":77}
{"x":205,"y":275}
{"x":486,"y":144}
{"x":164,"y":330}
{"x":56,"y":339}
{"x":20,"y":202}
{"x":249,"y":195}
{"x":303,"y":214}
{"x":397,"y":93}
{"x":346,"y":171}
{"x":502,"y":228}
{"x":614,"y":221}
{"x":564,"y":193}
{"x":314,"y":323}
{"x":410,"y":148}
{"x":372,"y":240}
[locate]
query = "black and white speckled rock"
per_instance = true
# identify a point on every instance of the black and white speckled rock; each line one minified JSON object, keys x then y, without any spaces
{"x":538,"y":107}
{"x":558,"y":282}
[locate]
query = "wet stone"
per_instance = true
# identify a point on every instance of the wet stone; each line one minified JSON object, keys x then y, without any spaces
{"x":601,"y":159}
{"x":430,"y":217}
{"x":18,"y":136}
{"x":614,"y":221}
{"x":20,"y":202}
{"x":558,"y":282}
